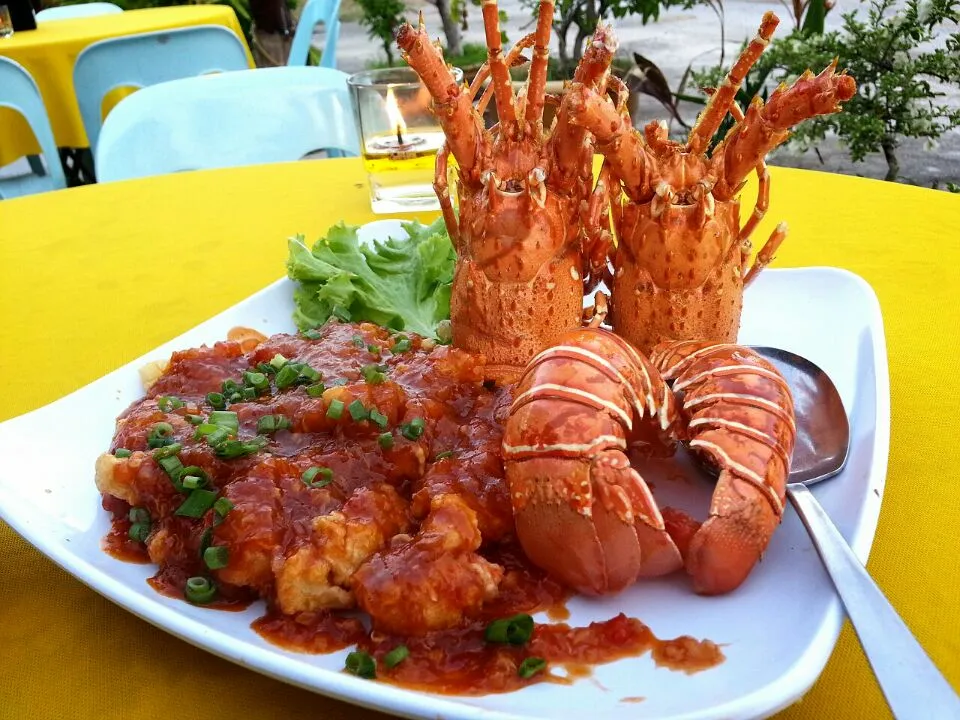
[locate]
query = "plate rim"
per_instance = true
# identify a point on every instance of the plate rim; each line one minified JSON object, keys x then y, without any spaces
{"x":787,"y":688}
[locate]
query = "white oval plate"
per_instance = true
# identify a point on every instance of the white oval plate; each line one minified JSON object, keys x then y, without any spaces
{"x":778,"y":629}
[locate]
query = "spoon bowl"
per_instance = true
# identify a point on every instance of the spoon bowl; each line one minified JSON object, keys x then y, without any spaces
{"x":823,"y":431}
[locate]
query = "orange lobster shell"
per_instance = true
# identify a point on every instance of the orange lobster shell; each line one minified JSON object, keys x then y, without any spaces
{"x":587,"y":517}
{"x":582,"y":513}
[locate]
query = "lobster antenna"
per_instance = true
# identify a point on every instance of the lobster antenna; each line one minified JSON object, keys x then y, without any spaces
{"x":502,"y":89}
{"x":719,"y":103}
{"x":537,"y":79}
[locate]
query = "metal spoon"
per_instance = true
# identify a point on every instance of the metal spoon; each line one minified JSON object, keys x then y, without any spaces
{"x":911,"y":683}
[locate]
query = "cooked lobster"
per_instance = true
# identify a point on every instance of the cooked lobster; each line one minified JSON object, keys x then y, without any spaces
{"x":585,"y":516}
{"x":521,"y":237}
{"x":581,"y":512}
{"x":738,"y":417}
{"x":682,"y":261}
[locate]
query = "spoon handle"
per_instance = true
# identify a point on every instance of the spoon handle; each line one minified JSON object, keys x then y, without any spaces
{"x":911,"y":683}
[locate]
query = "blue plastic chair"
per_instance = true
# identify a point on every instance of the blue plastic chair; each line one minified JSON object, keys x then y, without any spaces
{"x":19,"y":92}
{"x":316,"y":11}
{"x":63,"y":12}
{"x":240,"y":118}
{"x":147,"y":59}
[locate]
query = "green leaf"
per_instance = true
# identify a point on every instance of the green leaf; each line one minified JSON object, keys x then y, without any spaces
{"x":403,"y":284}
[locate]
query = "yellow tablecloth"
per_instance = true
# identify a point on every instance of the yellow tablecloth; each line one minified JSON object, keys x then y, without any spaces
{"x":49,"y":52}
{"x":92,"y":277}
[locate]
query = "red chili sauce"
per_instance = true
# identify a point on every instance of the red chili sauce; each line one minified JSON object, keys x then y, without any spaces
{"x":359,"y":490}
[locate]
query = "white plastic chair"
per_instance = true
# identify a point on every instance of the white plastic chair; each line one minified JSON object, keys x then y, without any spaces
{"x":314,"y":12}
{"x":19,"y":92}
{"x":63,"y":12}
{"x":147,"y":59}
{"x":240,"y":118}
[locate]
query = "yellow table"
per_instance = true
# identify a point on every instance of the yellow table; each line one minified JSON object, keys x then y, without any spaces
{"x":49,"y":52}
{"x":92,"y":277}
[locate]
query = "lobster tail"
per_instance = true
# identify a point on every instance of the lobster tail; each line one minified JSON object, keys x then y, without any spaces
{"x":739,"y":419}
{"x":582,"y":513}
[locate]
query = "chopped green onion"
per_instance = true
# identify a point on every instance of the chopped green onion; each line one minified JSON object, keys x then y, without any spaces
{"x":358,"y":341}
{"x":272,"y":423}
{"x":122,"y":453}
{"x":192,"y":482}
{"x":312,"y":334}
{"x":139,"y":515}
{"x":335,"y":410}
{"x":266,"y":368}
{"x":373,"y":349}
{"x":310,"y":476}
{"x":413,"y":429}
{"x":218,"y":436}
{"x":396,"y":656}
{"x":222,"y":506}
{"x":531,"y":666}
{"x":362,"y":664}
{"x":444,"y":455}
{"x":358,"y":411}
{"x":235,"y":448}
{"x":308,"y":373}
{"x":278,"y":361}
{"x":173,"y":468}
{"x":378,"y":418}
{"x":373,"y":373}
{"x":160,"y":435}
{"x":401,"y":345}
{"x":225,"y":419}
{"x":216,"y":557}
{"x":514,"y":630}
{"x":249,"y":393}
{"x":341,"y":313}
{"x":257,"y":380}
{"x":139,"y":532}
{"x":316,"y":390}
{"x":287,"y":376}
{"x":168,"y":403}
{"x":216,"y":400}
{"x":167,"y":451}
{"x":230,"y":387}
{"x":194,"y":419}
{"x":197,"y":503}
{"x":199,"y":590}
{"x":385,"y":440}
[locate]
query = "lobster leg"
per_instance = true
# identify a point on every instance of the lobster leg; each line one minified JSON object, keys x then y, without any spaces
{"x":513,"y":60}
{"x":442,"y":189}
{"x":502,"y":89}
{"x":537,"y":78}
{"x":720,"y":101}
{"x":765,"y":256}
{"x":598,"y":237}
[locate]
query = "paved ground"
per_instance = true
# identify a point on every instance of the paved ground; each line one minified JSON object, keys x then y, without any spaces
{"x":675,"y":40}
{"x":672,"y":42}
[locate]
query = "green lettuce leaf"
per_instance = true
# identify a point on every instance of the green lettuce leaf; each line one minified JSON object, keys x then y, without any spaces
{"x":402,"y":284}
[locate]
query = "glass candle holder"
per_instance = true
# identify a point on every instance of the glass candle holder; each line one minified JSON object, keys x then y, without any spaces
{"x":399,"y":138}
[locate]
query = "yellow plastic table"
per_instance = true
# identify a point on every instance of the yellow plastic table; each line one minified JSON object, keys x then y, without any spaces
{"x":49,"y":52}
{"x":95,"y":276}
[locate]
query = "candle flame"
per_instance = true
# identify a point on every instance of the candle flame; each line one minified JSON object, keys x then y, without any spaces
{"x":393,"y":113}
